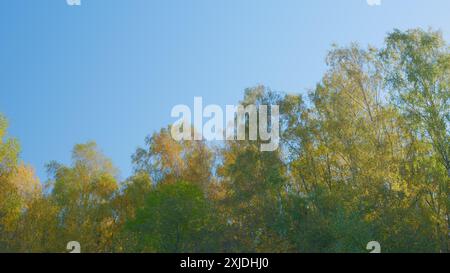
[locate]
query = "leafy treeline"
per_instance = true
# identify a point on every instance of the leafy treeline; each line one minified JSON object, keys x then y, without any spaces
{"x":365,"y":157}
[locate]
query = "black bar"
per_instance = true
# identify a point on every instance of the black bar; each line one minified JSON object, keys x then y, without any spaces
{"x":224,"y":262}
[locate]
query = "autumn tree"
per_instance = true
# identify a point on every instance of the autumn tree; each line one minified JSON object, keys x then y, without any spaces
{"x":126,"y":203}
{"x":253,"y":182}
{"x":9,"y":198}
{"x":418,"y":64}
{"x":83,"y":193}
{"x":167,"y":160}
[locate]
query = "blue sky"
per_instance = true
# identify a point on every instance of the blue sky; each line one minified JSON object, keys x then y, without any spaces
{"x":111,"y":70}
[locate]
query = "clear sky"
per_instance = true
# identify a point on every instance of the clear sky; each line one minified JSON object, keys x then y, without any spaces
{"x":111,"y":70}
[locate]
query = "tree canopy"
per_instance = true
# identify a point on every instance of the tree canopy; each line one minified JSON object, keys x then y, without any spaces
{"x":364,"y":156}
